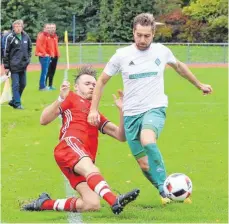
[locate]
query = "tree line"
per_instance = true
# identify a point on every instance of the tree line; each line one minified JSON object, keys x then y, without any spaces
{"x":111,"y":20}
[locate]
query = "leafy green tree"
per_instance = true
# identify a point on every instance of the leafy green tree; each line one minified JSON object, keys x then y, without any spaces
{"x":31,"y":12}
{"x":163,"y":34}
{"x":123,"y":14}
{"x":174,"y":22}
{"x":105,"y":23}
{"x":214,"y":14}
{"x":163,"y":7}
{"x":112,"y":20}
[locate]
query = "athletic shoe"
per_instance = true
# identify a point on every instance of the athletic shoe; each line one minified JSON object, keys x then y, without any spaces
{"x":44,"y":89}
{"x":187,"y":201}
{"x":11,"y":103}
{"x":164,"y":199}
{"x":123,"y":200}
{"x":20,"y":107}
{"x":52,"y":88}
{"x":36,"y":204}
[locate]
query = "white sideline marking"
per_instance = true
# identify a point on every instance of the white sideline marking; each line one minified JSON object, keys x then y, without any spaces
{"x":73,"y":217}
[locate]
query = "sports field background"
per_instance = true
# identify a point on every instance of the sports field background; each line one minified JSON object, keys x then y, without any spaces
{"x":97,"y":53}
{"x":194,"y":141}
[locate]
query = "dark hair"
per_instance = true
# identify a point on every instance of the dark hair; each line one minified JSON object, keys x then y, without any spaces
{"x":145,"y":19}
{"x":85,"y":70}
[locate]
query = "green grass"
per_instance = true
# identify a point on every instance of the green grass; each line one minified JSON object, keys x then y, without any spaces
{"x":194,"y":141}
{"x":102,"y":53}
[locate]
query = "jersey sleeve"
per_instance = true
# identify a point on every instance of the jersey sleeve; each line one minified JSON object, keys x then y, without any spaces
{"x":113,"y":65}
{"x":170,"y":57}
{"x":66,"y":104}
{"x":103,"y":122}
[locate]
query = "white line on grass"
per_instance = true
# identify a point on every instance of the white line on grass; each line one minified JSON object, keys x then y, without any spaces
{"x":73,"y":217}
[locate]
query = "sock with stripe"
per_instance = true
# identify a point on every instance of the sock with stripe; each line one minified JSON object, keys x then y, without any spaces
{"x":97,"y":183}
{"x":60,"y":205}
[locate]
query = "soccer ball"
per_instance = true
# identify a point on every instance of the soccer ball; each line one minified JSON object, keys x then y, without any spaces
{"x":178,"y":187}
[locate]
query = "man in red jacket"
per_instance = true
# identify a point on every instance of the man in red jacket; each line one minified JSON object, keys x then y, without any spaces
{"x":55,"y":54}
{"x":43,"y":52}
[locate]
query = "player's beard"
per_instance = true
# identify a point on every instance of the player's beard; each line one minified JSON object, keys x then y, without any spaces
{"x":142,"y":47}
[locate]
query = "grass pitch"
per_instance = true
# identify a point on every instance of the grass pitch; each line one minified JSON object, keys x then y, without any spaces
{"x":194,"y":141}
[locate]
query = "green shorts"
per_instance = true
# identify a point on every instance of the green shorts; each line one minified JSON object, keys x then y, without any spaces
{"x":153,"y":119}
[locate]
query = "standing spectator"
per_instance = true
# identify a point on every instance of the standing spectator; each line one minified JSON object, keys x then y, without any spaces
{"x":55,"y":54}
{"x":4,"y":34}
{"x":17,"y":54}
{"x":43,"y":52}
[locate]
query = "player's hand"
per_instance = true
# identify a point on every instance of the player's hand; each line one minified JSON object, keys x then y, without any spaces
{"x":93,"y":118}
{"x":7,"y":72}
{"x":206,"y":89}
{"x":64,"y":89}
{"x":118,"y":101}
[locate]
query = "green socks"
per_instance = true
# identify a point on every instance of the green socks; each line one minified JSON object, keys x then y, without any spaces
{"x":156,"y":173}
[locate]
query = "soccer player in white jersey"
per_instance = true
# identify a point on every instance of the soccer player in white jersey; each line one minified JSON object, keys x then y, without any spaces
{"x":142,"y":65}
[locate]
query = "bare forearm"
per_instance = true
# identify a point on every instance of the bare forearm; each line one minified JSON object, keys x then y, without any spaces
{"x":115,"y":131}
{"x":50,"y":113}
{"x":121,"y":130}
{"x":97,"y":95}
{"x":185,"y":72}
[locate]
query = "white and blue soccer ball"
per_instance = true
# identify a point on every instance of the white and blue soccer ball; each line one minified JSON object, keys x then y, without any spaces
{"x":178,"y":186}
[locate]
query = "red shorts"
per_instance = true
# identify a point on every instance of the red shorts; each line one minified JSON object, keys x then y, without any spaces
{"x":67,"y":154}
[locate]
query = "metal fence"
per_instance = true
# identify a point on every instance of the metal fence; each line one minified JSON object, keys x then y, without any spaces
{"x":81,"y":53}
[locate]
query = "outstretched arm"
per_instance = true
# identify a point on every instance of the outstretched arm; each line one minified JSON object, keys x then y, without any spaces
{"x":93,"y":116}
{"x":52,"y":111}
{"x":113,"y":130}
{"x":185,"y":72}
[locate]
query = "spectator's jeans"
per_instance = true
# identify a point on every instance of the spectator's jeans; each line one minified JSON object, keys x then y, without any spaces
{"x":18,"y":85}
{"x":44,"y":61}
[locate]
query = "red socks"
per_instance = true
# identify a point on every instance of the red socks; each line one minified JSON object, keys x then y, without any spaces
{"x":97,"y":183}
{"x":60,"y":205}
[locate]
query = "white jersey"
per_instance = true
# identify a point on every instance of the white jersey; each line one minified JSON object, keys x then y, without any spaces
{"x":143,"y":76}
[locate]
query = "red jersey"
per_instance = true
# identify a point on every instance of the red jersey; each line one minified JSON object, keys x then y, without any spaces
{"x":75,"y":111}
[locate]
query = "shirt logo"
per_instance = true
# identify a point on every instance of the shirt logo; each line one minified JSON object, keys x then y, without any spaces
{"x":142,"y":75}
{"x":157,"y":61}
{"x":131,"y":63}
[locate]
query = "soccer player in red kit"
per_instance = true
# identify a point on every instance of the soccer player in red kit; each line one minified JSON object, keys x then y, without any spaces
{"x":76,"y":152}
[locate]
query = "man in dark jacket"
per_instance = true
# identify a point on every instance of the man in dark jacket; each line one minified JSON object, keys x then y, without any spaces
{"x":4,"y":34}
{"x":18,"y":50}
